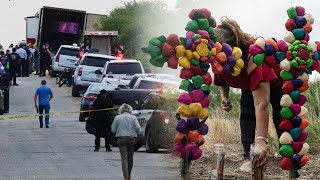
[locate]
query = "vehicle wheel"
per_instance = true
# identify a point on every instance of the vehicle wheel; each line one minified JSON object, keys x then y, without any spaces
{"x":137,"y":147}
{"x":150,"y":146}
{"x":75,"y":91}
{"x":82,"y":118}
{"x":53,"y":73}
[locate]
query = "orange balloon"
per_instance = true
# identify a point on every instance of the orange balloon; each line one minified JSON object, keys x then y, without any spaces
{"x":216,"y":67}
{"x":304,"y":123}
{"x":221,"y":57}
{"x":200,"y":139}
{"x":179,"y":137}
{"x":218,"y":47}
{"x":193,"y":136}
{"x":307,"y":27}
{"x":304,"y":160}
{"x":304,"y":87}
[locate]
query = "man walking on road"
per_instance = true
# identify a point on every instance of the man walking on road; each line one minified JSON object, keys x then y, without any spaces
{"x":14,"y":61}
{"x":103,"y":119}
{"x":23,"y":55}
{"x":45,"y":95}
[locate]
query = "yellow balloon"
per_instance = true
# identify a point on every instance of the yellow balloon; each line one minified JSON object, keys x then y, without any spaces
{"x":195,"y":108}
{"x":196,"y":55}
{"x":237,"y":52}
{"x":184,"y":62}
{"x":236,"y":71}
{"x":240,"y":63}
{"x":204,"y":113}
{"x":180,"y":51}
{"x":189,"y":54}
{"x":184,"y":111}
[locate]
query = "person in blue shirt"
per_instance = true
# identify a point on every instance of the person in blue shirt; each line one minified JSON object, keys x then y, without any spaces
{"x":44,"y":95}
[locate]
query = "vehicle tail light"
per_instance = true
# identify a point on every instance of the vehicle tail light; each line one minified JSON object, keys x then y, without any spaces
{"x":89,"y":98}
{"x":164,"y":118}
{"x":79,"y":71}
{"x":119,"y":57}
{"x":58,"y":58}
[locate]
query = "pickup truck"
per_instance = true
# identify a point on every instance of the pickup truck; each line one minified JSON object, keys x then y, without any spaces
{"x":157,"y":123}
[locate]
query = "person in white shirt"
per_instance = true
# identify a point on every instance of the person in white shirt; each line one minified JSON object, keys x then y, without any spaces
{"x":10,"y":48}
{"x":24,"y":57}
{"x":126,"y":127}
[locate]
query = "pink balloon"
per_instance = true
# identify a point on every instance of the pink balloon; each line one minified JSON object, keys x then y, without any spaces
{"x":197,"y":154}
{"x":179,"y":150}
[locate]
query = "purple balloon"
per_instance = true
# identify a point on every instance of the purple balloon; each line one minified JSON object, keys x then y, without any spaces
{"x":297,"y":83}
{"x":300,"y":21}
{"x":227,"y":49}
{"x":182,"y":127}
{"x":231,"y":60}
{"x":226,"y":67}
{"x":270,"y":50}
{"x":296,"y":158}
{"x":296,"y":121}
{"x":209,"y":46}
{"x":197,"y":42}
{"x":189,"y":43}
{"x":211,"y":43}
{"x":193,"y":123}
{"x":203,"y":129}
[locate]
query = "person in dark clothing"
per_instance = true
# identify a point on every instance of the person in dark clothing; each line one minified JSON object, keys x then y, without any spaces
{"x":14,"y":61}
{"x":45,"y":59}
{"x":5,"y":81}
{"x":103,"y":120}
{"x":36,"y":60}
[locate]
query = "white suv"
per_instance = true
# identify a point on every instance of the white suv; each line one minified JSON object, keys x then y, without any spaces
{"x":86,"y":72}
{"x":66,"y":57}
{"x":121,"y":71}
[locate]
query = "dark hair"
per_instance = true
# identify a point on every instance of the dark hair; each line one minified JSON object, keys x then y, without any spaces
{"x":14,"y":49}
{"x":43,"y":82}
{"x":20,"y":46}
{"x":2,"y":53}
{"x":11,"y":45}
{"x":230,"y":32}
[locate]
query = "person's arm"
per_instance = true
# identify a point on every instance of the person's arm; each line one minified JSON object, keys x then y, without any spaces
{"x":51,"y":95}
{"x":114,"y":125}
{"x":225,"y":103}
{"x":35,"y":99}
{"x":261,"y":97}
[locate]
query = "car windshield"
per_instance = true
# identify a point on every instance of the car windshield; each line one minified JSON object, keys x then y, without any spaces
{"x":124,"y":68}
{"x":96,"y":88}
{"x":69,"y":51}
{"x":94,"y":61}
{"x":155,"y":85}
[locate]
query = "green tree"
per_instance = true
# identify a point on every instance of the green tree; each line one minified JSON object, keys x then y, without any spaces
{"x":135,"y":22}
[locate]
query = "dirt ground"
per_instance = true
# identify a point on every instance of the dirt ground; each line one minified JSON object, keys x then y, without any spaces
{"x":233,"y":160}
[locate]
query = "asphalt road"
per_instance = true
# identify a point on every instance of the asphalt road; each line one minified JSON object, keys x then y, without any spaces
{"x":65,"y":150}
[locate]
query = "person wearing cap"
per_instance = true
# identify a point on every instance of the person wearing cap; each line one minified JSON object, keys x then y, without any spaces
{"x":103,"y":119}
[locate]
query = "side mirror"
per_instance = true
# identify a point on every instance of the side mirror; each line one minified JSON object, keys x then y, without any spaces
{"x":76,"y":63}
{"x":147,"y":71}
{"x":98,"y":71}
{"x":122,"y":86}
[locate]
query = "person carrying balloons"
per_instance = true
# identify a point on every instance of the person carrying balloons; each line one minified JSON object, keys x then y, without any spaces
{"x":257,"y":77}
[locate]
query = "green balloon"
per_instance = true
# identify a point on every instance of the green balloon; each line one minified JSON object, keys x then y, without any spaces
{"x":197,"y":81}
{"x":286,"y":151}
{"x":286,"y":75}
{"x":290,"y":47}
{"x":259,"y":58}
{"x":310,"y":63}
{"x":195,"y":62}
{"x":203,"y":24}
{"x":192,"y":26}
{"x":294,"y":64}
{"x":286,"y":113}
{"x":184,"y":85}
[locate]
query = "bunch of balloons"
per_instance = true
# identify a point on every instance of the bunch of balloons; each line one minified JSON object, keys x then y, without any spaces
{"x":195,"y":54}
{"x":297,"y":57}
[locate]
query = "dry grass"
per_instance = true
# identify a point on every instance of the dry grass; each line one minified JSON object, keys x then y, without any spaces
{"x":227,"y":131}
